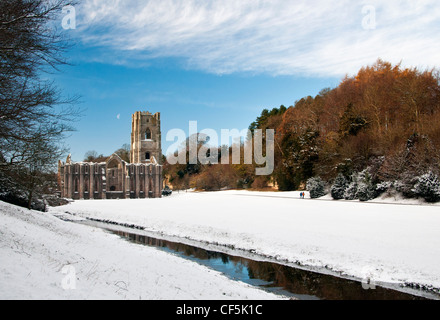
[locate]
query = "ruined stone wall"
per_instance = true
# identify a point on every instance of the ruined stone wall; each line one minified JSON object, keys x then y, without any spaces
{"x":114,"y":179}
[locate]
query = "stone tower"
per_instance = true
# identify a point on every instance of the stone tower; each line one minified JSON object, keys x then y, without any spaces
{"x":145,"y":138}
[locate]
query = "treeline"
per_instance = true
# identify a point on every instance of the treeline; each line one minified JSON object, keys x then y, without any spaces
{"x":379,"y":128}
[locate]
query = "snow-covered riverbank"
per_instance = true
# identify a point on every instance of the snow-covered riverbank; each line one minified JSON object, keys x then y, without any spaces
{"x":388,"y":243}
{"x":42,"y":257}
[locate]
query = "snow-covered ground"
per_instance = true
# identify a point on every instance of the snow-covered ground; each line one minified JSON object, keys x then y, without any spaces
{"x":389,"y":243}
{"x":42,"y":257}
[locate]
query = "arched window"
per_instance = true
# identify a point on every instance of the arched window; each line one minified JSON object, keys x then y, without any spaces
{"x":147,"y":156}
{"x":148,"y":134}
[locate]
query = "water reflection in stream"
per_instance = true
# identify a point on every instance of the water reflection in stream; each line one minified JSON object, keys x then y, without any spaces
{"x":274,"y":277}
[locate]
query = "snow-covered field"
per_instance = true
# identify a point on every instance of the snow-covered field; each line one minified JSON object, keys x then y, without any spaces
{"x":42,"y":257}
{"x":390,"y":243}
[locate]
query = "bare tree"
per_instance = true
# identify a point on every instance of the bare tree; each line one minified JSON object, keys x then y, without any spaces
{"x":34,"y":115}
{"x":91,"y":156}
{"x":124,"y":152}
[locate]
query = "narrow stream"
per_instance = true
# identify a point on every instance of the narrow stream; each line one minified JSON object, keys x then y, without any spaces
{"x":270,"y":276}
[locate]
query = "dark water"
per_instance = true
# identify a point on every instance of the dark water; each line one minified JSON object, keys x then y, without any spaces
{"x":273,"y":277}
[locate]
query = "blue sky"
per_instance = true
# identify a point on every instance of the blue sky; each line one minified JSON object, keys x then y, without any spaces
{"x":221,"y":62}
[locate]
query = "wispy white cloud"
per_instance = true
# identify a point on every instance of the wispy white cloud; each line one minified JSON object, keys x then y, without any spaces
{"x":306,"y":37}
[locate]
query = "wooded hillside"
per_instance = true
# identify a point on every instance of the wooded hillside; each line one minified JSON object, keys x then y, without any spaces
{"x":385,"y":119}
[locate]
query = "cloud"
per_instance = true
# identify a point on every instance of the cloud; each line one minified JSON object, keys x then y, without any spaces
{"x":291,"y":37}
{"x":118,"y":116}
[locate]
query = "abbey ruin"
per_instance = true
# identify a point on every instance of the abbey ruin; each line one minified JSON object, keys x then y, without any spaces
{"x":116,"y":178}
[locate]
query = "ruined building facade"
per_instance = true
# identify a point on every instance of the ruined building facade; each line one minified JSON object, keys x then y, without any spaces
{"x":116,"y":178}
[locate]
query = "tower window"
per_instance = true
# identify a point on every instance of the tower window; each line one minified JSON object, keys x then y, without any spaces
{"x":147,"y":156}
{"x":148,"y":134}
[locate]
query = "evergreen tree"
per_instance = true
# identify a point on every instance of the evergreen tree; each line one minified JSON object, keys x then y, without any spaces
{"x":339,"y":186}
{"x":428,"y":187}
{"x":351,"y":191}
{"x":316,"y":187}
{"x":365,"y":189}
